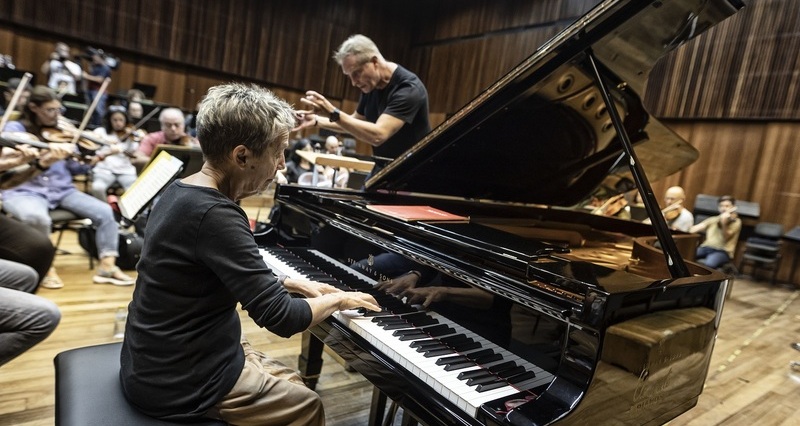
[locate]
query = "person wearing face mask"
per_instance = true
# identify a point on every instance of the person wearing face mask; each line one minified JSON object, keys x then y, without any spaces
{"x":392,"y":113}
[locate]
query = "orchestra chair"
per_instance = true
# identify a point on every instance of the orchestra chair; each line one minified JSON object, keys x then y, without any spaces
{"x":88,"y":390}
{"x":64,"y":220}
{"x":762,"y":250}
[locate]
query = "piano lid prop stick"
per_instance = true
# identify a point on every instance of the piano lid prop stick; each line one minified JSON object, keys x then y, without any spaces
{"x":91,"y":109}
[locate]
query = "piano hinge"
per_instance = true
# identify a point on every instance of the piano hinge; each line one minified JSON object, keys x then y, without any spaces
{"x":547,"y":252}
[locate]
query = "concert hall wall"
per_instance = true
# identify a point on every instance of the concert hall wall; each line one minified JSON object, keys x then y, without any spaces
{"x":734,"y":92}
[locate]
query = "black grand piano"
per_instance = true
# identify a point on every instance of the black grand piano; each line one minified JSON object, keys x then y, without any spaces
{"x":540,"y":313}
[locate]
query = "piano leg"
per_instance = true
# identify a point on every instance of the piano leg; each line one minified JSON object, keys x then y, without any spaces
{"x":310,"y":359}
{"x":378,"y":407}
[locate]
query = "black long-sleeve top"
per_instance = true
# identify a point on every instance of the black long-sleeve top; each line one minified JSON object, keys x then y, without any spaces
{"x":181,"y":351}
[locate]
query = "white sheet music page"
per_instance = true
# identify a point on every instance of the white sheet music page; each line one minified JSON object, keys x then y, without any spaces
{"x":150,"y":182}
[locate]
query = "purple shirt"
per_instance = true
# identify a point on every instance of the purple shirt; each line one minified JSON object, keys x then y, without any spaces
{"x":53,"y":184}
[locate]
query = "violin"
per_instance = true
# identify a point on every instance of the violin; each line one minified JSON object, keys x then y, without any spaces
{"x":672,"y":211}
{"x":612,"y":206}
{"x":14,"y":139}
{"x":88,"y":142}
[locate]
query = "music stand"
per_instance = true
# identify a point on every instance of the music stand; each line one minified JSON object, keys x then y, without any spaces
{"x":158,"y":173}
{"x":191,"y":156}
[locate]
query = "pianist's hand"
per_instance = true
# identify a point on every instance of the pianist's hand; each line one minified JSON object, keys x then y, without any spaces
{"x":357,"y":299}
{"x":308,"y":288}
{"x":399,"y":285}
{"x":425,"y":295}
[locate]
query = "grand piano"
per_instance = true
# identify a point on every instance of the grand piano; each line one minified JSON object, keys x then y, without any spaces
{"x":546,"y":314}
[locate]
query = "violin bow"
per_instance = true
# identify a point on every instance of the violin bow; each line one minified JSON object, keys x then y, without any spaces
{"x":140,"y":123}
{"x":91,"y":109}
{"x":23,"y":82}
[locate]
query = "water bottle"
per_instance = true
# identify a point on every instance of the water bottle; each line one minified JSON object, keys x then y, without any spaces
{"x":120,"y":318}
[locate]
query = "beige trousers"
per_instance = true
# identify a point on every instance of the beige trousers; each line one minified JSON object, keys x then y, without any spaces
{"x":269,"y":393}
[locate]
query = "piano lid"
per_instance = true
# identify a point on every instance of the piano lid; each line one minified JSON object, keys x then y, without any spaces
{"x":541,"y":134}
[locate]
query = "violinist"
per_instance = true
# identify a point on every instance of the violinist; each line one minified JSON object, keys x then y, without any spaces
{"x":722,"y":234}
{"x":678,"y":218}
{"x":31,"y":201}
{"x":172,"y":132}
{"x":113,"y":164}
{"x":11,"y":87}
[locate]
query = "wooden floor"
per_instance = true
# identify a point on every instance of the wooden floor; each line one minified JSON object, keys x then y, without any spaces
{"x":750,"y":381}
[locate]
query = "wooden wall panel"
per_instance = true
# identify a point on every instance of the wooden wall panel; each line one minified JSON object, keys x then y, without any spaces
{"x":746,"y":67}
{"x":171,"y":85}
{"x":753,"y":161}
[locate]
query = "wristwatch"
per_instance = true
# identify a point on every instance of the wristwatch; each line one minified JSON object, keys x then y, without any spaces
{"x":334,"y":117}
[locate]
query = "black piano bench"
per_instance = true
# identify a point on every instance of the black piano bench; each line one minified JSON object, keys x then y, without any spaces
{"x":88,"y":391}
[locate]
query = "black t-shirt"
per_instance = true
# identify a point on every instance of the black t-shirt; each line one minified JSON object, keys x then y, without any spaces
{"x":181,"y":352}
{"x":405,"y":98}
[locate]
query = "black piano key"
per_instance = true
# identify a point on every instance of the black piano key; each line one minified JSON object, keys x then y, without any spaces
{"x":417,"y":335}
{"x":438,"y":330}
{"x":396,"y":326}
{"x":484,"y":380}
{"x":481,"y":372}
{"x":426,"y":348}
{"x":488,"y":358}
{"x":410,"y":332}
{"x":480,"y":353}
{"x":419,"y":343}
{"x":466,"y":346}
{"x":449,"y":359}
{"x":511,"y":372}
{"x":458,"y":365}
{"x":489,"y":386}
{"x":454,"y":339}
{"x":437,"y":352}
{"x":521,"y":377}
{"x":503,"y":366}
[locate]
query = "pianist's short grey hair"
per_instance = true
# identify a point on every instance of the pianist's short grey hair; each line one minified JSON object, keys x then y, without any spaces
{"x":239,"y":114}
{"x":360,"y":46}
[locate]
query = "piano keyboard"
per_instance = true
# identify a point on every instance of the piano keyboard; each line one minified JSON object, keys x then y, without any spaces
{"x":460,"y":365}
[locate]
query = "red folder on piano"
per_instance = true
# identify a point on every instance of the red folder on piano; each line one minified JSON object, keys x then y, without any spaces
{"x":414,"y":213}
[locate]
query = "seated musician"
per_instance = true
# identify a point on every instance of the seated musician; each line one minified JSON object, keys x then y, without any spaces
{"x":172,"y":132}
{"x":722,"y":234}
{"x":25,"y":256}
{"x":31,"y":201}
{"x":339,"y":174}
{"x":184,"y":356}
{"x":678,"y":217}
{"x":113,"y":162}
{"x":8,"y":92}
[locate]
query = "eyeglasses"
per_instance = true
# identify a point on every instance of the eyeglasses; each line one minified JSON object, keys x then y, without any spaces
{"x":60,"y":110}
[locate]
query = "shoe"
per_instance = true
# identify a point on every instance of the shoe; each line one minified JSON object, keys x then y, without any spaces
{"x":113,"y":276}
{"x":51,"y":282}
{"x":796,"y":346}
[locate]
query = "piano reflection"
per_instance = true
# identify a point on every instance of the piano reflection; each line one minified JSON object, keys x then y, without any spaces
{"x":544,"y":313}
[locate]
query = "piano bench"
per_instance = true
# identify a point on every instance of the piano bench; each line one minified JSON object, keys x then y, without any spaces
{"x":88,"y":391}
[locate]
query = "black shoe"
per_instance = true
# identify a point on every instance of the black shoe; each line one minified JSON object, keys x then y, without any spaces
{"x":796,"y":346}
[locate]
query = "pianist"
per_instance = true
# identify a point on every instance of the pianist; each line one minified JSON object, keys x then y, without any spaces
{"x":392,"y":113}
{"x":183,"y":357}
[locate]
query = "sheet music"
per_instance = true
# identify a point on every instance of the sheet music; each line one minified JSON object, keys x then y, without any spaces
{"x":158,"y":173}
